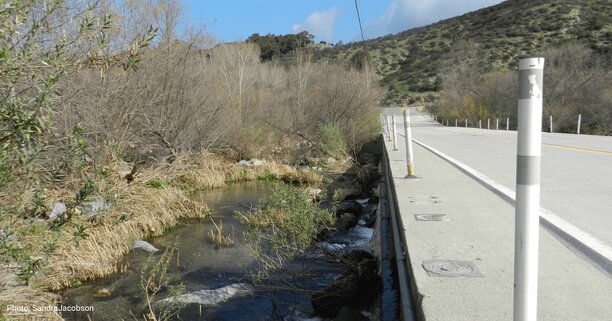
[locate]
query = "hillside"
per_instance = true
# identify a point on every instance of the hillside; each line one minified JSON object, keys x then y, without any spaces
{"x":410,"y":61}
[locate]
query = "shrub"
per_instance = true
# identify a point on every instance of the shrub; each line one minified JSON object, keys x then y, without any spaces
{"x":283,"y":225}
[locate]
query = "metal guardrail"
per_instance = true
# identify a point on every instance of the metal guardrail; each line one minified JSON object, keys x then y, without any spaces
{"x":405,"y":281}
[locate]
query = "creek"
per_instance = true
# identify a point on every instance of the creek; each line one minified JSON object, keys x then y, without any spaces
{"x":201,"y":266}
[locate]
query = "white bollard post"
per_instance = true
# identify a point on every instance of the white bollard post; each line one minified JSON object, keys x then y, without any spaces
{"x":388,"y":128}
{"x":466,"y":123}
{"x":385,"y":125}
{"x":447,"y":123}
{"x":488,"y":123}
{"x":496,"y":123}
{"x":394,"y":132}
{"x":408,"y":135}
{"x":551,"y":124}
{"x":529,"y":151}
{"x":507,"y":123}
{"x":455,"y":122}
{"x":480,"y":123}
{"x":579,"y":121}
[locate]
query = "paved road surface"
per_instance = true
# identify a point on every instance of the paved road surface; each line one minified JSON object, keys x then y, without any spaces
{"x":576,"y":169}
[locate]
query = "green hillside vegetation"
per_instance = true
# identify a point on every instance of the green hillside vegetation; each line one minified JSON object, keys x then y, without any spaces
{"x":410,"y":62}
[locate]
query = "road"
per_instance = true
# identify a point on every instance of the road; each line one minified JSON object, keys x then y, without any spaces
{"x":576,"y":173}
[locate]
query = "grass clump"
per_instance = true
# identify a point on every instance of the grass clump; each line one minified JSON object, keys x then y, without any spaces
{"x":283,"y":225}
{"x":156,"y":183}
{"x":217,"y":236}
{"x":154,"y":279}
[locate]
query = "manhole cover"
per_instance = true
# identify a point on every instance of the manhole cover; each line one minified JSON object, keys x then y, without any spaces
{"x":430,"y":217}
{"x":451,"y":268}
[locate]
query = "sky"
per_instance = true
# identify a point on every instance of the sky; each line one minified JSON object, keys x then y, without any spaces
{"x":328,"y":20}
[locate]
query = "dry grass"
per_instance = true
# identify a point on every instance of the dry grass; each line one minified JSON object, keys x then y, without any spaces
{"x":28,"y":296}
{"x":152,"y":211}
{"x":207,"y":171}
{"x":138,"y":211}
{"x":216,"y":236}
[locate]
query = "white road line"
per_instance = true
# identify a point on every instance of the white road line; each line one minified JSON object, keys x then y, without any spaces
{"x":593,"y":248}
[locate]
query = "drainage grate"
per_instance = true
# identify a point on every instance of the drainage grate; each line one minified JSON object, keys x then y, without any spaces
{"x":451,"y":268}
{"x":430,"y":217}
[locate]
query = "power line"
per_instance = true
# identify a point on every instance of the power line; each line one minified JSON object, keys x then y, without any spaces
{"x":359,"y":18}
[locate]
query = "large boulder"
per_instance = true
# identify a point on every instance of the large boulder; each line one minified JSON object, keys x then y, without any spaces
{"x":351,"y":206}
{"x":346,"y":221}
{"x":212,"y":298}
{"x":143,"y":245}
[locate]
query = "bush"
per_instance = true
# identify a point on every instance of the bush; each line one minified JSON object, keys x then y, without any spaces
{"x":283,"y":225}
{"x":331,"y":141}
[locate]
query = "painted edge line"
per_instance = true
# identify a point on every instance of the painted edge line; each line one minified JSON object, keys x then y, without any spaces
{"x":593,"y":248}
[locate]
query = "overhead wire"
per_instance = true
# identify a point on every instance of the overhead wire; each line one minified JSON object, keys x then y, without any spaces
{"x":359,"y":19}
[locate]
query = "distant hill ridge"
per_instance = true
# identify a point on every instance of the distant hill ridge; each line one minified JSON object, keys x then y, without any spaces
{"x":409,"y":62}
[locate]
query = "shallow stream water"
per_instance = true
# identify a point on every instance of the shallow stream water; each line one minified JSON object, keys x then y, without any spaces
{"x":285,"y":296}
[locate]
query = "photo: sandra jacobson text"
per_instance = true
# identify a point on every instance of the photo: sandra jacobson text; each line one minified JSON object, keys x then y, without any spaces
{"x":49,"y":308}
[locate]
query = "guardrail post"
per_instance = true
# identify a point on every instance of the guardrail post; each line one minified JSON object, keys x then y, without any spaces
{"x":551,"y":124}
{"x":388,"y":128}
{"x":394,"y":132}
{"x":579,"y":121}
{"x":529,"y":151}
{"x":408,"y":135}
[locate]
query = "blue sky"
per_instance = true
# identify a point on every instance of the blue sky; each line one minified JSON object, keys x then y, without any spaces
{"x":329,"y":20}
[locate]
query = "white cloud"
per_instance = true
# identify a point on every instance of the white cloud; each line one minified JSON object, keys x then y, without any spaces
{"x":405,"y":14}
{"x":320,"y":24}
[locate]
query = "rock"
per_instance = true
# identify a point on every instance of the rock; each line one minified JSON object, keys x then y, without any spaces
{"x":211,"y":298}
{"x":374,"y":199}
{"x":11,"y":237}
{"x":140,"y":244}
{"x":252,"y":162}
{"x":353,"y":194}
{"x":371,"y":220}
{"x":94,"y":207}
{"x":102,"y":293}
{"x":59,"y":209}
{"x":357,"y":288}
{"x":257,"y":162}
{"x":367,"y":158}
{"x":351,"y":206}
{"x":314,"y":193}
{"x":346,"y":221}
{"x":332,"y":247}
{"x":323,"y":235}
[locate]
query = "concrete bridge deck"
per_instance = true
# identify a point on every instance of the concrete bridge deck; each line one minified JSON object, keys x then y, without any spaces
{"x":449,"y":216}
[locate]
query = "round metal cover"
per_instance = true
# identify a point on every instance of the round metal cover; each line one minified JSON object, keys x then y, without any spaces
{"x":430,"y":217}
{"x":451,"y":268}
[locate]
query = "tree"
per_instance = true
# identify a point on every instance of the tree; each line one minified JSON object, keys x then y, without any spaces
{"x":272,"y":46}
